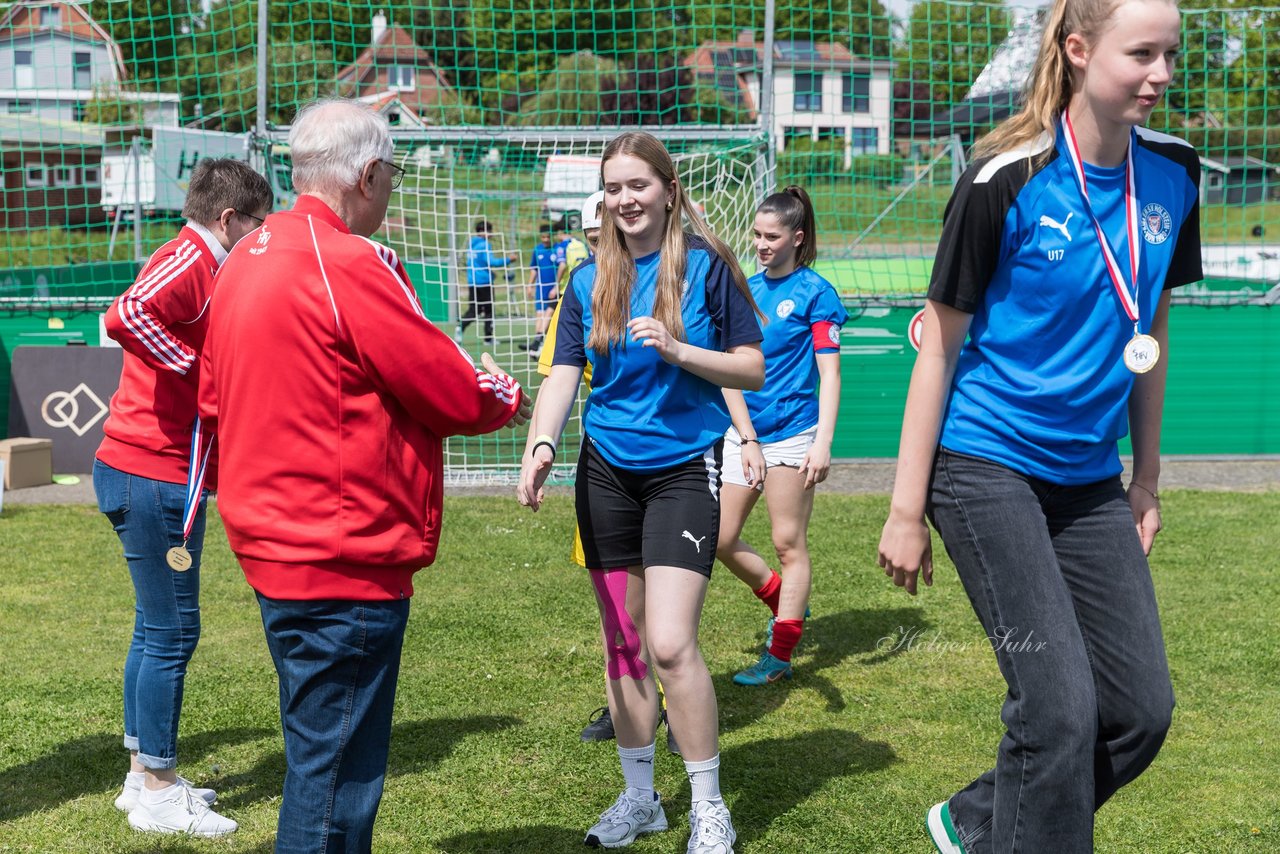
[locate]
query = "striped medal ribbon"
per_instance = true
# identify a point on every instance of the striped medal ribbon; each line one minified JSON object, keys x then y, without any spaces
{"x":178,"y":558}
{"x":1142,"y":352}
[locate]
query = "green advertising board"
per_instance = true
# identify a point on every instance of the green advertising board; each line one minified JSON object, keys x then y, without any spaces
{"x":1223,"y":360}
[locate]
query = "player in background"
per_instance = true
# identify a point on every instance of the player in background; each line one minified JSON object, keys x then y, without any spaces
{"x":481,"y":262}
{"x":1045,"y":340}
{"x":780,"y":441}
{"x":544,"y":264}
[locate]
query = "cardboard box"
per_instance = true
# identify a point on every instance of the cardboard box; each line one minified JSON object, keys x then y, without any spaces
{"x":27,"y":462}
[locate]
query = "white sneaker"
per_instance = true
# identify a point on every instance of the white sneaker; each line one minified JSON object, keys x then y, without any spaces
{"x":177,"y":810}
{"x":631,"y":815}
{"x":710,"y":829}
{"x":128,"y":798}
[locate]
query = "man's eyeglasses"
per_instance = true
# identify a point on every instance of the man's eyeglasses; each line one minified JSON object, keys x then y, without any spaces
{"x":259,"y":220}
{"x":398,"y":176}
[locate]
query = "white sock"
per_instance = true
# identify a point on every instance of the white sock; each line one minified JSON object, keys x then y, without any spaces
{"x":155,"y":796}
{"x":637,"y":768}
{"x":135,"y":778}
{"x":704,"y":779}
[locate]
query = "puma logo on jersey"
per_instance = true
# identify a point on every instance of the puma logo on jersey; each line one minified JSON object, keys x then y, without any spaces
{"x":697,"y":543}
{"x":1045,"y":219}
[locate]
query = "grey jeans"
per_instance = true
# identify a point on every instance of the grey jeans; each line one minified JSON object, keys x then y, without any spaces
{"x":1057,"y":577}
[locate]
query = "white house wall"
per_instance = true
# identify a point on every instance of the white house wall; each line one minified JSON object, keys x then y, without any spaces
{"x":53,"y":64}
{"x":878,"y":116}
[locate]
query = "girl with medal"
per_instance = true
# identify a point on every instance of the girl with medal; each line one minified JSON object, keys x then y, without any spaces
{"x":150,"y":475}
{"x":1045,"y":340}
{"x":786,"y":428}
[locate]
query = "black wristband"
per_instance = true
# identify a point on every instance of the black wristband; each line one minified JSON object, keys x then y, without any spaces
{"x":749,"y":441}
{"x":537,"y":445}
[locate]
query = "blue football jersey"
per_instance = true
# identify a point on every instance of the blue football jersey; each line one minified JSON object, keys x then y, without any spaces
{"x":788,"y":403}
{"x":546,"y":260}
{"x":1040,"y":385}
{"x":644,"y":414}
{"x":481,"y":261}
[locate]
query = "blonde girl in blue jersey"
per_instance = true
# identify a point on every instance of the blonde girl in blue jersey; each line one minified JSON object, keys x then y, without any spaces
{"x":665,"y":319}
{"x":1045,"y":339}
{"x":780,"y":442}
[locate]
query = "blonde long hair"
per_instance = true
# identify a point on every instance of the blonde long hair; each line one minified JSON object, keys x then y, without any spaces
{"x":1049,"y":88}
{"x":616,"y":269}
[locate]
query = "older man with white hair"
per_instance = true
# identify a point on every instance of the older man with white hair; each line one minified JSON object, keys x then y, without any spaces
{"x":330,"y":394}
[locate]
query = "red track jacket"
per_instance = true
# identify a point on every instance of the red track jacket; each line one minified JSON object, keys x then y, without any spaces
{"x":330,"y":394}
{"x":160,"y":322}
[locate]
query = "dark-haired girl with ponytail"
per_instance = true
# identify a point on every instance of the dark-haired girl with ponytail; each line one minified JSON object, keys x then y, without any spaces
{"x":785,"y":429}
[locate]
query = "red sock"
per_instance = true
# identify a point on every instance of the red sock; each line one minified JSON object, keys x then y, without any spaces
{"x":786,"y":634}
{"x":769,"y":593}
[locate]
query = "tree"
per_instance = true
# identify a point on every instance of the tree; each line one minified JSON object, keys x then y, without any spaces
{"x":107,"y":107}
{"x":223,"y":91}
{"x":570,"y":93}
{"x":148,"y":32}
{"x":863,"y":26}
{"x":948,"y":45}
{"x":650,"y":93}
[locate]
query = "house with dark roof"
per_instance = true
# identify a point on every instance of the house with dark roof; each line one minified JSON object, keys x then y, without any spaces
{"x":821,"y":90}
{"x":394,"y":65}
{"x":51,"y":170}
{"x":54,"y":59}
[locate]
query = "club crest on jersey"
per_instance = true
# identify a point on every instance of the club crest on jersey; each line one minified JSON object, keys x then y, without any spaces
{"x":263,"y":237}
{"x":785,"y":308}
{"x":1157,"y":225}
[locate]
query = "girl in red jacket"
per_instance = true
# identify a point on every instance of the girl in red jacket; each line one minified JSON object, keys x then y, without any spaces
{"x":141,"y":475}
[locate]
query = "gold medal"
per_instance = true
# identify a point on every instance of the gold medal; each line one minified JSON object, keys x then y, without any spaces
{"x":178,"y":558}
{"x":1141,"y":353}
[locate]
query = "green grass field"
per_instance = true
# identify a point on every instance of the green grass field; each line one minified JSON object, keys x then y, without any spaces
{"x":501,"y":667}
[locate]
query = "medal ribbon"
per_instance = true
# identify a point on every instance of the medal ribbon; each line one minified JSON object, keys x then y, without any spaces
{"x":195,"y":476}
{"x":1129,"y":301}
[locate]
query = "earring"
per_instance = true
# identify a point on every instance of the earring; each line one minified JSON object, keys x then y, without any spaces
{"x":668,"y":205}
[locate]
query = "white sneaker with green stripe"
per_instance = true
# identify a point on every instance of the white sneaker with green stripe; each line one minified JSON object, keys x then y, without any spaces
{"x":942,"y":831}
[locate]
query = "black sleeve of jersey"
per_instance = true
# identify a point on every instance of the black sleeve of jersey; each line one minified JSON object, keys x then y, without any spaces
{"x":730,"y":310}
{"x":1186,"y":266}
{"x":972,"y":230}
{"x":570,"y":339}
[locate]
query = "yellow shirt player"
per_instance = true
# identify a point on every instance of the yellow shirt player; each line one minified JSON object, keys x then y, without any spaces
{"x":591,"y":213}
{"x":601,"y":726}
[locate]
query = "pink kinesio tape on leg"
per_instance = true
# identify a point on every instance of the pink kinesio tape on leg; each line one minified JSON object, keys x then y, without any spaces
{"x":622,"y":642}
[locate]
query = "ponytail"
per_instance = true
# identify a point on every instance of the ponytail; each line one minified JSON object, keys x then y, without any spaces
{"x":1050,"y":86}
{"x":794,"y":211}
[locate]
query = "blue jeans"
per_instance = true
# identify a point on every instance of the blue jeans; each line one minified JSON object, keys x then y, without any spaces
{"x":1059,"y":582}
{"x":337,"y":662}
{"x":147,"y":516}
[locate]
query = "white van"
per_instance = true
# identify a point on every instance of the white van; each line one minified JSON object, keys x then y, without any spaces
{"x":568,"y":180}
{"x":127,"y":180}
{"x":158,"y":177}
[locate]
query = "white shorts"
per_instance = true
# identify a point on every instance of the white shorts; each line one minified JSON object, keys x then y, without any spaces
{"x":785,"y":452}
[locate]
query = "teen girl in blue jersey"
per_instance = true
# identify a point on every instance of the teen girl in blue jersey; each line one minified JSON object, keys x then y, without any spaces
{"x":665,"y":319}
{"x":1009,"y":437}
{"x":786,"y":428}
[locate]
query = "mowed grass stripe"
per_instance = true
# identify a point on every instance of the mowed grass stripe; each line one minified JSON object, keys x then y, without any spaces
{"x":893,"y":707}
